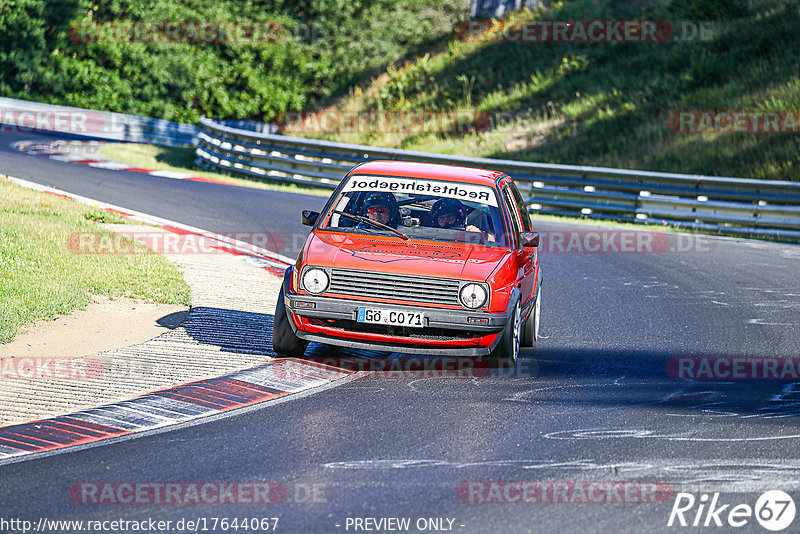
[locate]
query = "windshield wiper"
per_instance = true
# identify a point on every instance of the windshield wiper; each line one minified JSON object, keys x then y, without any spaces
{"x":376,"y":224}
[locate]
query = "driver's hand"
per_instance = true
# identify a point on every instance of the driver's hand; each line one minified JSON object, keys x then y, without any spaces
{"x":487,"y":236}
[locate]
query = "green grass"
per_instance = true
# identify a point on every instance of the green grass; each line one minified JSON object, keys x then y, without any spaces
{"x":182,"y":160}
{"x":607,"y":104}
{"x":41,"y":279}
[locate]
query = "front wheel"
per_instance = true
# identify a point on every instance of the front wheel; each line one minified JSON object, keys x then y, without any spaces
{"x":284,"y":340}
{"x":506,"y":352}
{"x":530,"y":332}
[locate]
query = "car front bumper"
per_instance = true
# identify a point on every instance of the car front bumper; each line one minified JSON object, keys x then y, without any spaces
{"x":319,"y":319}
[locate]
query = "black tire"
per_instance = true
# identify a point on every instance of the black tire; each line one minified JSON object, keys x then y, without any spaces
{"x":530,"y":331}
{"x":284,"y":340}
{"x":505,"y":353}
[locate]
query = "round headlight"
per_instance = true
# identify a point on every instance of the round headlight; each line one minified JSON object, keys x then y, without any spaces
{"x":315,"y":280}
{"x":473,"y":295}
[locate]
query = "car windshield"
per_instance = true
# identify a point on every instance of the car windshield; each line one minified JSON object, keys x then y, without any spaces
{"x":420,"y":209}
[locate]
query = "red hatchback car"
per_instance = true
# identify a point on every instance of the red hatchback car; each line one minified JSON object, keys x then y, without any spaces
{"x":416,"y":258}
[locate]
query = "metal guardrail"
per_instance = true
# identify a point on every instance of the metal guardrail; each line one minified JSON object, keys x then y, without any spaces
{"x":710,"y":203}
{"x":27,"y":116}
{"x":729,"y":205}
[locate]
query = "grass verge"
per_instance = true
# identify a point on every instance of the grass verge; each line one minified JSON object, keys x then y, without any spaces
{"x":182,"y":160}
{"x":41,"y":279}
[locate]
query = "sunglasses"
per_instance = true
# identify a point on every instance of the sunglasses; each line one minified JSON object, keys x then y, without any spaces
{"x":377,"y":209}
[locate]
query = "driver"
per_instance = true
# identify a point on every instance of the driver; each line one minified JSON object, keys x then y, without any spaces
{"x":381,"y":208}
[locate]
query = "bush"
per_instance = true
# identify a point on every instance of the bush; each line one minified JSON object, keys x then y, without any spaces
{"x":329,"y":45}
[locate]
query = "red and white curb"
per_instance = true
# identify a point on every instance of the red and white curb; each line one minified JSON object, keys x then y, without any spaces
{"x":88,"y":153}
{"x":204,"y":398}
{"x":263,"y":258}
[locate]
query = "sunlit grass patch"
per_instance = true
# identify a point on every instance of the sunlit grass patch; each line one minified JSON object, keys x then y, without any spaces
{"x":40,"y":278}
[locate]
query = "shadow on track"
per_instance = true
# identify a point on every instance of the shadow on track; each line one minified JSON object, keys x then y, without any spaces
{"x":599,"y":378}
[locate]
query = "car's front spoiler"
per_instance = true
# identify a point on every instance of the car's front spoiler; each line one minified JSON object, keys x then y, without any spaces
{"x":395,"y":347}
{"x":330,"y":308}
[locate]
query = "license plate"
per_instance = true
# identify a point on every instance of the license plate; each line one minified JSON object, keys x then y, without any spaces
{"x":392,"y":317}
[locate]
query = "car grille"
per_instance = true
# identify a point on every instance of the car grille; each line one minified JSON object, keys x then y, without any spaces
{"x":394,"y":286}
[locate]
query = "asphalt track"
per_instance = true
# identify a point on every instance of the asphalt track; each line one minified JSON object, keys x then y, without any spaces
{"x":593,"y":402}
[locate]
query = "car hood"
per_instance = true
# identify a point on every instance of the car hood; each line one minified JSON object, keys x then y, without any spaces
{"x":373,"y":253}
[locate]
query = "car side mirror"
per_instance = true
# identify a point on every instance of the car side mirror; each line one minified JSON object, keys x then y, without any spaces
{"x":529,"y":239}
{"x":309,"y":218}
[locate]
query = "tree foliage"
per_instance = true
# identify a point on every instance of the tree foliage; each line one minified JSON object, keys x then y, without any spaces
{"x":327,"y":45}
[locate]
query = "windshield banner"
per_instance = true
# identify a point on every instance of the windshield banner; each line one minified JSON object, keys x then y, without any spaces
{"x":463,"y":192}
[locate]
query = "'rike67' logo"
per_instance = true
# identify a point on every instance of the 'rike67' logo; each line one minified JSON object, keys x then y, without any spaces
{"x":774,"y":510}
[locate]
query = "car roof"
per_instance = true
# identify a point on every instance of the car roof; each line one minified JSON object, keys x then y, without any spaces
{"x":450,"y":173}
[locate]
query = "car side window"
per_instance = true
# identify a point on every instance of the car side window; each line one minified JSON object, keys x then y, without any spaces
{"x":523,"y":209}
{"x":508,"y":200}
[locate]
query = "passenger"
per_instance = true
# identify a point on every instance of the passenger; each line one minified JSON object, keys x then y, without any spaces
{"x":451,"y":213}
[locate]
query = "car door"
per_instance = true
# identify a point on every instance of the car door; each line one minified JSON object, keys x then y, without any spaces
{"x":526,"y":259}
